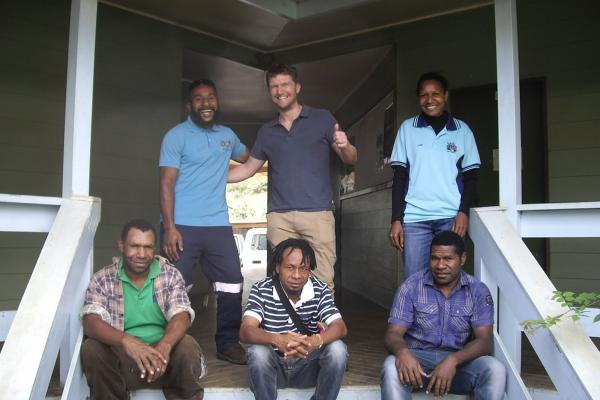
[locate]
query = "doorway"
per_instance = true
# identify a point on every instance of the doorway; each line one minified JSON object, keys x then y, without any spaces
{"x":478,"y":107}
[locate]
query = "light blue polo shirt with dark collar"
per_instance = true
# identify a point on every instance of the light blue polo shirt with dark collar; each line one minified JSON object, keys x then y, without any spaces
{"x":434,"y":164}
{"x":202,"y":157}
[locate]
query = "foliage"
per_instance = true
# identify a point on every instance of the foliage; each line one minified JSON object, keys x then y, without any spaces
{"x":247,"y":200}
{"x":575,"y":304}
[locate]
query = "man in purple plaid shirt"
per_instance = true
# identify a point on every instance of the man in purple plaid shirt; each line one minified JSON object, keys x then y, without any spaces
{"x":440,"y":331}
{"x":135,"y":316}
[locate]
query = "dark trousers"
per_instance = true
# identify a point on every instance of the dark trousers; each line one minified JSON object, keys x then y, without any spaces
{"x":214,"y":248}
{"x":111,"y":374}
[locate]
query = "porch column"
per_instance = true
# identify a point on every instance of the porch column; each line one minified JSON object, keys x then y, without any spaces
{"x":78,"y":108}
{"x":509,"y":113}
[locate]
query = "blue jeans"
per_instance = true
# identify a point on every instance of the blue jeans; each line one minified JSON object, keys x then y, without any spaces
{"x":417,"y":243}
{"x":484,"y":376}
{"x":323,"y":368}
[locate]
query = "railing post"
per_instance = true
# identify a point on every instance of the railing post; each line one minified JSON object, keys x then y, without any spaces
{"x":509,"y":113}
{"x":509,"y":330}
{"x":67,"y":347}
{"x":78,"y":107}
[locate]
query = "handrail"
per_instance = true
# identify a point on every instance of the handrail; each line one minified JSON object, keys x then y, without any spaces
{"x":23,"y":213}
{"x":567,"y":353}
{"x":48,"y":313}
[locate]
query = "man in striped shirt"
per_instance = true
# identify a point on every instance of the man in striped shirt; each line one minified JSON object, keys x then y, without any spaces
{"x":280,"y":356}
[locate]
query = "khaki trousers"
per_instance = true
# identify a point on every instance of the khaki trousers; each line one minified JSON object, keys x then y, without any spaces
{"x":316,"y":227}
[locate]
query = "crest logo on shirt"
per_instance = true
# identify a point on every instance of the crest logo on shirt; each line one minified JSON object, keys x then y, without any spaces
{"x":489,"y":301}
{"x":226,"y":144}
{"x":451,"y":147}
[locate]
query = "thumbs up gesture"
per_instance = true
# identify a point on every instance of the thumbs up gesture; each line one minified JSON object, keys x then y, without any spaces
{"x":340,"y":140}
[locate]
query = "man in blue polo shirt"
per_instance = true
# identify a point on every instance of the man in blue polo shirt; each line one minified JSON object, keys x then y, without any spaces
{"x":435,"y":162}
{"x":441,"y":330}
{"x":297,"y":145}
{"x":280,"y":356}
{"x":194,"y":159}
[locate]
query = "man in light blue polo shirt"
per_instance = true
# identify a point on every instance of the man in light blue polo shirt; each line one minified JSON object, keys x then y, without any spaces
{"x":435,"y":160}
{"x":194,"y":160}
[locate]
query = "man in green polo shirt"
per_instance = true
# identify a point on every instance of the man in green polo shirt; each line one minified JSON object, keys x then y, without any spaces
{"x":135,"y":316}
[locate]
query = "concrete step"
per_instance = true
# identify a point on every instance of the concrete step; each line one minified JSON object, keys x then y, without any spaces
{"x":346,"y":393}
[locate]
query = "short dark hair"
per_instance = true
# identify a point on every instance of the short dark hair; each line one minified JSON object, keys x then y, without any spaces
{"x":308,"y":254}
{"x":279,"y":69}
{"x":201,"y":82}
{"x":432,"y":76}
{"x":140,"y":224}
{"x":449,"y":238}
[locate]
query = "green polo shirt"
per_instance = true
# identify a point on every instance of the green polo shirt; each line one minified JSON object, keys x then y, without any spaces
{"x":143,"y":317}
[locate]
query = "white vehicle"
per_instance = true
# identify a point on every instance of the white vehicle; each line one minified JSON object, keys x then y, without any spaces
{"x":254,"y":253}
{"x":239,"y":244}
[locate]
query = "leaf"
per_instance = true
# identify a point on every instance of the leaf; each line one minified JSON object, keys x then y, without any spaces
{"x":597,"y":318}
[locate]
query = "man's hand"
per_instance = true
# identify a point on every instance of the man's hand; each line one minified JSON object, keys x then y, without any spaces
{"x":441,"y":377}
{"x":165,"y":350}
{"x":149,"y":361}
{"x":173,"y":244}
{"x":302,"y":350}
{"x":397,"y":235}
{"x":340,"y":140}
{"x":409,"y":369}
{"x":461,"y":223}
{"x":292,"y":345}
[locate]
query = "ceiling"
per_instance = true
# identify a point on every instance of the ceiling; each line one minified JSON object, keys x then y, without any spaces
{"x":273,"y":25}
{"x":268,"y":26}
{"x":326,"y":83}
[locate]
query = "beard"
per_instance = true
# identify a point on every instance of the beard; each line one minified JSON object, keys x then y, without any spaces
{"x":197,"y":118}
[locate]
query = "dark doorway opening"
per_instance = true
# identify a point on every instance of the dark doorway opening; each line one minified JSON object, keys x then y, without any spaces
{"x":478,"y":107}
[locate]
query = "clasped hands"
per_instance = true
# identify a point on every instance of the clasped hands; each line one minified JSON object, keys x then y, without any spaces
{"x":151,"y":361}
{"x":410,"y":373}
{"x":295,"y":345}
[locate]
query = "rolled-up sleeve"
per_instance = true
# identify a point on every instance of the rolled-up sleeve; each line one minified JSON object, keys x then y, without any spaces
{"x":178,"y":300}
{"x":96,"y":302}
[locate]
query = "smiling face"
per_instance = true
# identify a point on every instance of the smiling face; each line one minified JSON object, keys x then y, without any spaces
{"x":138,"y":252}
{"x":284,"y":91}
{"x":293,"y":272}
{"x":204,"y":105}
{"x":432,"y":98}
{"x":445,"y":265}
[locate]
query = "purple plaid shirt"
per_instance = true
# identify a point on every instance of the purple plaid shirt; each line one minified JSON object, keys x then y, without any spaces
{"x":436,"y":322}
{"x":104,"y":295}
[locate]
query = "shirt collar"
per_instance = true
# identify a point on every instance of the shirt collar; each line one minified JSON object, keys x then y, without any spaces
{"x":308,"y":292}
{"x":193,"y":125}
{"x":153,"y":272}
{"x":450,"y":125}
{"x":428,"y":279}
{"x":304,"y":112}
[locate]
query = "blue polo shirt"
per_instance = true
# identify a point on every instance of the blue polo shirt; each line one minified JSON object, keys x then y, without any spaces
{"x":434,"y":164}
{"x":202,"y":158}
{"x":298,"y":161}
{"x":436,"y":322}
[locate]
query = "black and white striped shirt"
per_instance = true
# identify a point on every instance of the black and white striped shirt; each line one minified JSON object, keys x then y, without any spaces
{"x":315,"y":305}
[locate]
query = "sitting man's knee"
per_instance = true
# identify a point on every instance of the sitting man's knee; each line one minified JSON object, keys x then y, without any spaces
{"x":336,"y":352}
{"x":259,"y":354}
{"x":389,"y":369}
{"x":494,"y":367}
{"x":93,"y":351}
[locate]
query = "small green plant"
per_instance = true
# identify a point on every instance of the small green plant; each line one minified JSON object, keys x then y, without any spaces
{"x":576,"y":307}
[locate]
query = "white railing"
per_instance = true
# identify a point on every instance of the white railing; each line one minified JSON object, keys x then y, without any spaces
{"x":522,"y":291}
{"x":48,"y":316}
